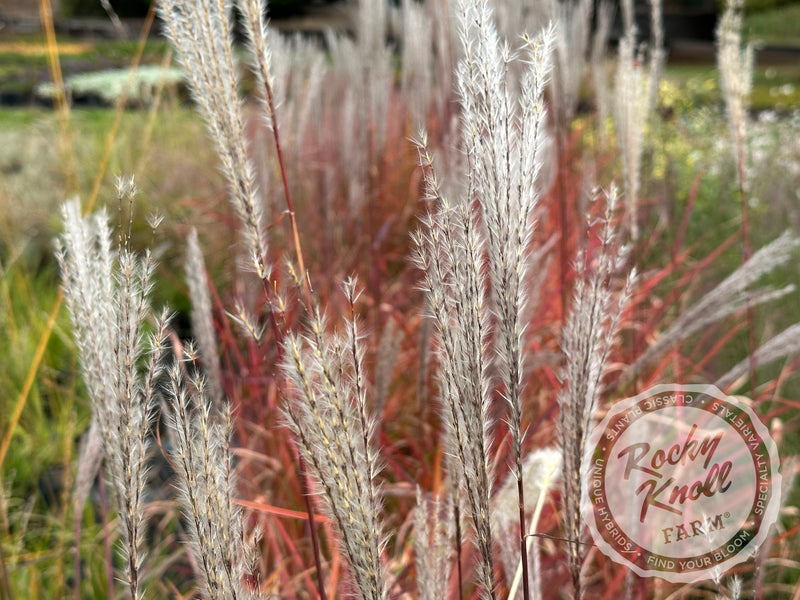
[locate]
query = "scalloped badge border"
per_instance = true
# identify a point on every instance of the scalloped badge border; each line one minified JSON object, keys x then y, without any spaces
{"x":645,"y":561}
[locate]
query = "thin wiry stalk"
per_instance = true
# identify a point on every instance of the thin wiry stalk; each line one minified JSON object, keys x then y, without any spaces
{"x":541,"y":468}
{"x":543,"y":481}
{"x":107,"y":294}
{"x":456,"y":498}
{"x":256,"y":29}
{"x":328,"y":418}
{"x":587,"y":341}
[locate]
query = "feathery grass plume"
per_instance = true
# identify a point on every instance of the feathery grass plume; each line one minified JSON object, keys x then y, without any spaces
{"x":376,"y":70}
{"x":300,"y":77}
{"x":449,"y":250}
{"x":627,"y":14}
{"x":729,"y":296}
{"x":201,"y":315}
{"x":247,"y":322}
{"x":202,"y":459}
{"x":656,"y":51}
{"x":200,"y":32}
{"x":605,"y":18}
{"x":107,"y":294}
{"x":89,"y":463}
{"x":503,"y":138}
{"x":371,"y":24}
{"x":513,"y":18}
{"x":573,"y":20}
{"x":444,"y":44}
{"x":255,"y":26}
{"x":417,"y":57}
{"x":736,"y":79}
{"x":368,"y":78}
{"x":351,"y":131}
{"x":328,"y":418}
{"x":587,"y":340}
{"x":432,"y":547}
{"x":783,"y":345}
{"x":504,"y":146}
{"x":631,"y":109}
{"x":423,"y":352}
{"x":385,"y":362}
{"x":735,"y":587}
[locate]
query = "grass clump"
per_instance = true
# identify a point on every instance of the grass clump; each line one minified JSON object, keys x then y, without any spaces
{"x":385,"y":442}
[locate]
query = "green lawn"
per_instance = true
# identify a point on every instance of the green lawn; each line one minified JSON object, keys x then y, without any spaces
{"x":777,"y":26}
{"x":774,"y":87}
{"x":23,"y":60}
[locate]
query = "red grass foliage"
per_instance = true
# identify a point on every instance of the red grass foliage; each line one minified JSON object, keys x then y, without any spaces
{"x":374,"y":244}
